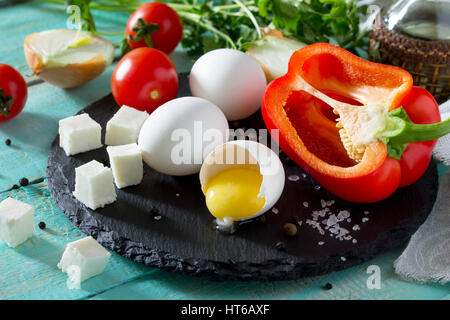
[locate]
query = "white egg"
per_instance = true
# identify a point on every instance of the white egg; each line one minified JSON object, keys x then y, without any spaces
{"x":178,"y":135}
{"x":231,"y":79}
{"x":246,"y":152}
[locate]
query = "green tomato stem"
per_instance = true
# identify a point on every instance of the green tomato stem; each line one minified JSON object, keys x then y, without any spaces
{"x":6,"y":103}
{"x":144,"y":30}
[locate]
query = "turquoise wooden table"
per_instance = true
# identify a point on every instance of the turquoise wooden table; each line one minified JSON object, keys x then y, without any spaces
{"x":30,"y":272}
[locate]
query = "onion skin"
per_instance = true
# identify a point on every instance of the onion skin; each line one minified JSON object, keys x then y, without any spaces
{"x":267,"y":72}
{"x":254,"y":51}
{"x":69,"y":76}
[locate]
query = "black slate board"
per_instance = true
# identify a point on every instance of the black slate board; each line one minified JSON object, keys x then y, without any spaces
{"x":184,"y":241}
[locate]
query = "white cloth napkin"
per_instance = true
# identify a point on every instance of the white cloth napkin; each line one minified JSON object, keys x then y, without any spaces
{"x":442,"y":149}
{"x":427,"y":256}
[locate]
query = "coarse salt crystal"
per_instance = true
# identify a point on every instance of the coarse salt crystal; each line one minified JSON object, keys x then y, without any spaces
{"x":354,"y":241}
{"x":343,"y":259}
{"x":275,"y":210}
{"x":334,"y":229}
{"x":342,"y":215}
{"x":332,"y":220}
{"x":315,"y":225}
{"x":320,"y":243}
{"x":305,"y":204}
{"x":343,"y":234}
{"x":293,"y":178}
{"x":365,"y":219}
{"x":356,"y":227}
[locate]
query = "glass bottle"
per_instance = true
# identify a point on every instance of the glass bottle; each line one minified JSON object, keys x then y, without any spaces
{"x":423,"y":19}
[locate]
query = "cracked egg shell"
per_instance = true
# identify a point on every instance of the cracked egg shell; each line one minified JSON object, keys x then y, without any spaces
{"x":249,"y":153}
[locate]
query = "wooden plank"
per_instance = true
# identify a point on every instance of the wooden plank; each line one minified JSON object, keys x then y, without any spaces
{"x":33,"y":131}
{"x":347,"y":284}
{"x":40,"y":16}
{"x":35,"y":128}
{"x":29,"y":271}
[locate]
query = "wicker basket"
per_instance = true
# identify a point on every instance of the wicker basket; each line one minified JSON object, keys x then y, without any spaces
{"x":427,"y":61}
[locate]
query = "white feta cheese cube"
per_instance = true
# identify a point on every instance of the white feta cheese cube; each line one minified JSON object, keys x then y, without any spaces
{"x":126,"y":164}
{"x":16,"y":221}
{"x":124,"y":126}
{"x":79,"y":134}
{"x":94,"y":185}
{"x":83,"y":259}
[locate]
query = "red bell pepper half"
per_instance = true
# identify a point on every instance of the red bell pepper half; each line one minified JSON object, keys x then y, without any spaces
{"x":384,"y":116}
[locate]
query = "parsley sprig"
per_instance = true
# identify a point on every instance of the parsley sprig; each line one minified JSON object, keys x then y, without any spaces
{"x":212,"y":24}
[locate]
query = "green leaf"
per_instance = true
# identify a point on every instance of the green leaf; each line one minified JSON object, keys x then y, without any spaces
{"x":210,"y":24}
{"x":395,"y":151}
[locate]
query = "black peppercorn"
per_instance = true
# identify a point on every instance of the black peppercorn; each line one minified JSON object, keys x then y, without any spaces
{"x":328,"y":286}
{"x":289,"y":229}
{"x":24,"y":182}
{"x":8,"y":142}
{"x":15,"y":186}
{"x":42,"y":225}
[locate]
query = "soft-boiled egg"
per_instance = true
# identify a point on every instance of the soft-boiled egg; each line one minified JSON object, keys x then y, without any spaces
{"x":230,"y":79}
{"x":241,"y":180}
{"x":179,"y":134}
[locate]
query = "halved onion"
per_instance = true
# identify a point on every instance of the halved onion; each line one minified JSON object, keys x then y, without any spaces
{"x":273,"y":52}
{"x":67,"y":58}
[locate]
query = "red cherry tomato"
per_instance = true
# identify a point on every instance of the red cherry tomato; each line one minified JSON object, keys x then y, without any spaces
{"x":144,"y":79}
{"x":170,"y":26}
{"x":13,"y":92}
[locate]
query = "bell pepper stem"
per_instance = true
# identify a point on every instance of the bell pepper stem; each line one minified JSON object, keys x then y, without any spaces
{"x":412,"y":132}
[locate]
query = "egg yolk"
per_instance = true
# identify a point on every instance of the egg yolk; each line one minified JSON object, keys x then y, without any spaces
{"x":233,"y":193}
